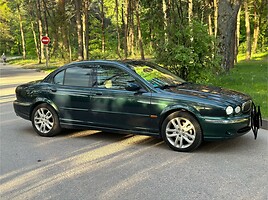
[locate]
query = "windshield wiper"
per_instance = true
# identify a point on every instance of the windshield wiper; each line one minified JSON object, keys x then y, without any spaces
{"x":166,"y":86}
{"x":171,"y":86}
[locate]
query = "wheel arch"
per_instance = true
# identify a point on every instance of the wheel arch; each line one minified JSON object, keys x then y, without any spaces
{"x":39,"y":101}
{"x":166,"y":112}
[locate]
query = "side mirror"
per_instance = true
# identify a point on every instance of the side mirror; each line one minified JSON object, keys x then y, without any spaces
{"x":132,"y":87}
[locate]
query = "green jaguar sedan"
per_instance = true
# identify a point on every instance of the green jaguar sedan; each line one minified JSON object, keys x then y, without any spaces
{"x":134,"y":97}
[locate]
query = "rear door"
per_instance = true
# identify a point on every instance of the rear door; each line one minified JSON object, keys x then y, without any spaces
{"x":70,"y":92}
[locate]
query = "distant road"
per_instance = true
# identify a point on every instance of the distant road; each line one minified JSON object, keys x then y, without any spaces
{"x":12,"y":76}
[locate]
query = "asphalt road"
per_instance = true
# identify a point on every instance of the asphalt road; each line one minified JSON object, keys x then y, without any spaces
{"x":95,"y":165}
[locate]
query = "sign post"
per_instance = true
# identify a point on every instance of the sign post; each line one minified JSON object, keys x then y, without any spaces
{"x":45,"y":40}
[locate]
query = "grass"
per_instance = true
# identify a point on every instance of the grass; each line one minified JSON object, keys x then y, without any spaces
{"x":33,"y":64}
{"x":250,"y":77}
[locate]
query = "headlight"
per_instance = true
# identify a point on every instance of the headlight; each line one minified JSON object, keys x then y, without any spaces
{"x":229,"y":110}
{"x":237,"y":109}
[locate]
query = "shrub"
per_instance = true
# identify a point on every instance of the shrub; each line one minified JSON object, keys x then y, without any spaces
{"x":190,"y":53}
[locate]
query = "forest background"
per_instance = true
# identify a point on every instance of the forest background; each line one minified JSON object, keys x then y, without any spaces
{"x":191,"y":37}
{"x":199,"y":40}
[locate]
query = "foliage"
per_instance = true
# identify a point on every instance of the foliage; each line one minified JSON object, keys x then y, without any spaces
{"x":6,"y":36}
{"x":190,"y":53}
{"x":169,"y":33}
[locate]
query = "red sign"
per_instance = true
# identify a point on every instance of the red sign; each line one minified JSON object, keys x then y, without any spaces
{"x":45,"y":40}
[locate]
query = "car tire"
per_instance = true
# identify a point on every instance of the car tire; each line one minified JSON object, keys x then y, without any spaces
{"x":181,"y":131}
{"x":45,"y":120}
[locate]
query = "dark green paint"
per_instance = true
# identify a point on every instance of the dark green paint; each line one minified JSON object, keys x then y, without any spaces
{"x":130,"y":111}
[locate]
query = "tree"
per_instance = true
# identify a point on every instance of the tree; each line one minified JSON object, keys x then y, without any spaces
{"x":117,"y":29}
{"x":169,"y":31}
{"x":102,"y":26}
{"x":237,"y":35}
{"x":227,"y":20}
{"x":139,"y":30}
{"x":216,"y":13}
{"x":209,"y":18}
{"x":21,"y":31}
{"x":40,"y":31}
{"x":85,"y":19}
{"x":247,"y":24}
{"x":78,"y":6}
{"x":256,"y":26}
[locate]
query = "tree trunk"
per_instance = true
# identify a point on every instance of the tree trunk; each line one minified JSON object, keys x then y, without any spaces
{"x":190,"y":11}
{"x":247,"y":24}
{"x":22,"y":33}
{"x":117,"y":29}
{"x":69,"y":47}
{"x":35,"y":40}
{"x":209,"y":20}
{"x":139,"y":29}
{"x":256,"y":28}
{"x":63,"y":26}
{"x":102,"y":27}
{"x":165,"y":24}
{"x":130,"y":19}
{"x":190,"y":18}
{"x":78,"y":6}
{"x":85,"y":30}
{"x":47,"y":34}
{"x":125,"y":26}
{"x":227,"y":21}
{"x":40,"y":31}
{"x":216,"y":12}
{"x":237,"y":34}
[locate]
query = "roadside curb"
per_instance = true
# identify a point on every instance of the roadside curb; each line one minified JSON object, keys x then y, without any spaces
{"x":264,"y":124}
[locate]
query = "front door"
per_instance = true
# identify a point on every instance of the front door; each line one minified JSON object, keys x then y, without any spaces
{"x":113,"y":106}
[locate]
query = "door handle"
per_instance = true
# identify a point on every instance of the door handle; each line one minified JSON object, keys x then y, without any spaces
{"x":53,"y":89}
{"x":97,"y":94}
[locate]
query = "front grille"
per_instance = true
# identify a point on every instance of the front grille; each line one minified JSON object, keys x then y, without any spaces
{"x":246,"y":107}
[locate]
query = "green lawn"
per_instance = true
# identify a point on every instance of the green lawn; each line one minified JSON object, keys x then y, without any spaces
{"x":33,"y":64}
{"x":250,"y":77}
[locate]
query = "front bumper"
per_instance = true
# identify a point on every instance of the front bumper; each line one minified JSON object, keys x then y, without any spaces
{"x":22,"y":109}
{"x":225,"y":128}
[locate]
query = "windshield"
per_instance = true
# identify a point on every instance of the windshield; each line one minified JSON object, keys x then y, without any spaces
{"x":156,"y":75}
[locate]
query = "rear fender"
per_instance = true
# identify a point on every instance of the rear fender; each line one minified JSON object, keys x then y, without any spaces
{"x":43,"y":100}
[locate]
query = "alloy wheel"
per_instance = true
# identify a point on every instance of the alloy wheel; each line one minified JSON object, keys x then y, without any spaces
{"x":180,"y":132}
{"x":43,"y":120}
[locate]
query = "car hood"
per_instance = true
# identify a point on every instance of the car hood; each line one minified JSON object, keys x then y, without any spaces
{"x":213,"y":93}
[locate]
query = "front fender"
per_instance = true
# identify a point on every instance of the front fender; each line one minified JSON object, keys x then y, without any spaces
{"x":182,"y":107}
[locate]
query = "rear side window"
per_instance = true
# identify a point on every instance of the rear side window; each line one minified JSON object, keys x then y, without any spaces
{"x":75,"y":76}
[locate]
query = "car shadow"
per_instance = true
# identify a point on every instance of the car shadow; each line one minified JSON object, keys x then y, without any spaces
{"x":110,"y":137}
{"x":226,"y":146}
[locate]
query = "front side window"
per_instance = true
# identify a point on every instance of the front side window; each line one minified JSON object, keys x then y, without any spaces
{"x":112,"y":78}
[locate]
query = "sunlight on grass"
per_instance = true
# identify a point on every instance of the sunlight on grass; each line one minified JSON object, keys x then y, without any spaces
{"x":257,"y":56}
{"x":33,"y":64}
